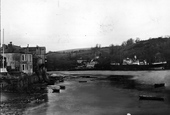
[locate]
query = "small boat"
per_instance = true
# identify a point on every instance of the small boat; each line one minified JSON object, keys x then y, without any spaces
{"x":82,"y":81}
{"x":159,"y":85}
{"x":56,"y":90}
{"x":158,"y":65}
{"x":148,"y":97}
{"x":62,"y":87}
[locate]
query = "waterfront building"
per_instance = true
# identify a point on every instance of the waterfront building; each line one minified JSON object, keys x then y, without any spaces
{"x":23,"y":59}
{"x":37,"y":52}
{"x":38,"y":55}
{"x":19,"y":62}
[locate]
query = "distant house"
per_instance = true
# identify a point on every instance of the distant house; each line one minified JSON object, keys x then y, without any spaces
{"x":143,"y":62}
{"x":134,"y":61}
{"x":81,"y":61}
{"x":91,"y":64}
{"x":129,"y":61}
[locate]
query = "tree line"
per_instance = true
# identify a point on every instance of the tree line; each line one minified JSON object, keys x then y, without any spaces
{"x":151,"y":50}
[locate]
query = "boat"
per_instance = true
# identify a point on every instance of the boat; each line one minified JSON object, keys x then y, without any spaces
{"x":139,"y":67}
{"x":62,"y":87}
{"x":158,"y":65}
{"x":149,"y":97}
{"x":82,"y":81}
{"x":135,"y":64}
{"x":159,"y":85}
{"x":56,"y":90}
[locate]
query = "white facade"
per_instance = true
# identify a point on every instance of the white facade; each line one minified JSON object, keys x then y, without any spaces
{"x":26,"y":63}
{"x":91,"y":64}
{"x":130,"y":62}
{"x":19,"y":62}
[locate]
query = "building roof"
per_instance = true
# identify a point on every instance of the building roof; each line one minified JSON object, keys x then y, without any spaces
{"x":10,"y":48}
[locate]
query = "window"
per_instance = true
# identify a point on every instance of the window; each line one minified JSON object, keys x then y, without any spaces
{"x":23,"y":67}
{"x":23,"y":57}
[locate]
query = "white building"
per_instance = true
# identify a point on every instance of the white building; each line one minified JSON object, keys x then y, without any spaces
{"x":91,"y":64}
{"x":19,"y":62}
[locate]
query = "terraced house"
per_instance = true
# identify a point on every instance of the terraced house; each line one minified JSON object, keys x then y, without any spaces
{"x":22,"y":59}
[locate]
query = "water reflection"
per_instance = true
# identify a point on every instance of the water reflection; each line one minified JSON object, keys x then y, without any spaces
{"x":110,"y":95}
{"x":128,"y":82}
{"x":123,"y":81}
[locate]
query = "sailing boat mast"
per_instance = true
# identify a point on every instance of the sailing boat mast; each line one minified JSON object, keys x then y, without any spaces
{"x":3,"y":51}
{"x":0,"y":36}
{"x":3,"y":69}
{"x":3,"y":56}
{"x":0,"y":24}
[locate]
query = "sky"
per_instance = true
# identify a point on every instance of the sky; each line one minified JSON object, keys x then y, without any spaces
{"x":70,"y":24}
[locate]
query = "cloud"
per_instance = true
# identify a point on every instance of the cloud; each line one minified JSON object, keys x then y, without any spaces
{"x":64,"y":24}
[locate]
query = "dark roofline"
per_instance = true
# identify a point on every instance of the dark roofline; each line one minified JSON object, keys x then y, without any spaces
{"x":34,"y":47}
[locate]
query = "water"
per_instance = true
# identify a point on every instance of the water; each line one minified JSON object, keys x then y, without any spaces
{"x":146,"y":77}
{"x":106,"y":96}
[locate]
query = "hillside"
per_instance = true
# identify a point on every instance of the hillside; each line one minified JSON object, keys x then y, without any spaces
{"x":155,"y":49}
{"x":151,"y":50}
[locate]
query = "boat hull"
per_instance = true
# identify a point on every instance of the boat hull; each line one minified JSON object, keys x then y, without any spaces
{"x":138,"y":67}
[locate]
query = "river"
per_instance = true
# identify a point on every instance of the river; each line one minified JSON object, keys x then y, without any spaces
{"x":103,"y":96}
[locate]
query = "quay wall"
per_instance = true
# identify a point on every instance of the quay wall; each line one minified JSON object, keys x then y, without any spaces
{"x":20,"y":82}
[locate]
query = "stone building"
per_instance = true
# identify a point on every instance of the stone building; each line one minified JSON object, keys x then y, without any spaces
{"x":23,"y":59}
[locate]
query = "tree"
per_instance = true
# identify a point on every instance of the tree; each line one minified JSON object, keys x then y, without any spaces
{"x":137,"y":40}
{"x":124,"y":44}
{"x":130,"y":42}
